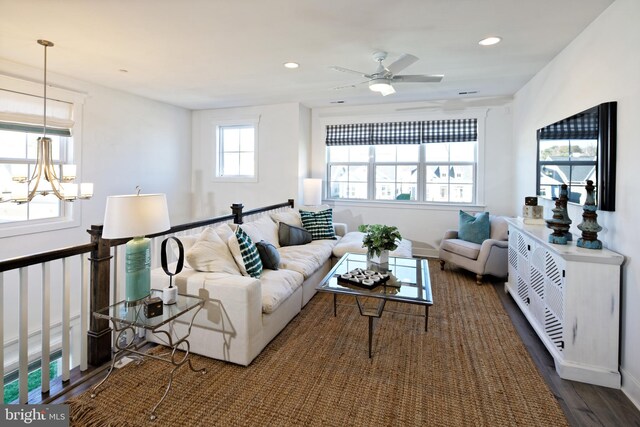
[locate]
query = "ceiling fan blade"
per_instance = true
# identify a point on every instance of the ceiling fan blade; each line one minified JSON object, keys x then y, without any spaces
{"x":401,"y":63}
{"x":349,"y":86}
{"x":418,"y":78}
{"x":346,"y":70}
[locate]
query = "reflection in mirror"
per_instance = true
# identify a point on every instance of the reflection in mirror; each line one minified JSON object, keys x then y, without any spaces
{"x":576,"y":149}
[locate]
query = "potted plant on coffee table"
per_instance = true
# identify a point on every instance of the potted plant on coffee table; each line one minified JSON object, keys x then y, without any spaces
{"x":379,"y":240}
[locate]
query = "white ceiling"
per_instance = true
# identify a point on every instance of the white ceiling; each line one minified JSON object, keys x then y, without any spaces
{"x":221,"y":53}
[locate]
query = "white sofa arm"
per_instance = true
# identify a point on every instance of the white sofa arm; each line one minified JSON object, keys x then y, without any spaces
{"x":340,"y":228}
{"x":450,"y":234}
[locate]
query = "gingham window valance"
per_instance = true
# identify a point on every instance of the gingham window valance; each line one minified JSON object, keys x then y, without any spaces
{"x":580,"y":126}
{"x":403,"y":132}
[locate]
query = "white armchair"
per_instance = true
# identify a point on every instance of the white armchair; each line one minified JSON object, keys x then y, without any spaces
{"x":488,"y":258}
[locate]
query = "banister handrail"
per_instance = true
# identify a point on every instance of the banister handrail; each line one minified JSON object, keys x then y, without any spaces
{"x":42,"y":257}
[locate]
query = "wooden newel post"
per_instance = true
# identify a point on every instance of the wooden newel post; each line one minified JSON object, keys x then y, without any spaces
{"x":99,"y":334}
{"x":236,"y":210}
{"x":291,"y":203}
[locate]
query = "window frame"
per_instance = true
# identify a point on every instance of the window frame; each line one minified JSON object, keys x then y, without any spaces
{"x":70,"y":213}
{"x":218,"y":127}
{"x":478,"y":190}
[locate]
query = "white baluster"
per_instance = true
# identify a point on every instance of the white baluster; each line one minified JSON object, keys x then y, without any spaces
{"x":2,"y":339}
{"x":66,"y":318}
{"x":23,"y":336}
{"x":46,"y":325}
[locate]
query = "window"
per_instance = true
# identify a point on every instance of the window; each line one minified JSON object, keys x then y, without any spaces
{"x":428,"y":162}
{"x":236,"y":151}
{"x":21,"y":108}
{"x":17,"y":158}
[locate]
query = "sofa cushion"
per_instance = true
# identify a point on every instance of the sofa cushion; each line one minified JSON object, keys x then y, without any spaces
{"x":306,"y":259}
{"x":245,"y":253}
{"x":263,"y":228}
{"x":290,"y":235}
{"x":474,"y":229}
{"x":461,"y":247}
{"x":277,"y":286}
{"x":352,"y":242}
{"x":210,"y":253}
{"x":269,"y":255}
{"x":319,"y":224}
{"x":288,"y":216}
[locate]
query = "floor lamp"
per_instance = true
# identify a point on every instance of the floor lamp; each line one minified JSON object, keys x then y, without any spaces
{"x":136,"y":215}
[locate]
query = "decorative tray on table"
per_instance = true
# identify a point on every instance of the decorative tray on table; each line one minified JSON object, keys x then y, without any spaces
{"x":364,"y":278}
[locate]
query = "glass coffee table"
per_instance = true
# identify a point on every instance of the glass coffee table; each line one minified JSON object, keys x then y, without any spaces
{"x":408,"y":283}
{"x":126,"y":317}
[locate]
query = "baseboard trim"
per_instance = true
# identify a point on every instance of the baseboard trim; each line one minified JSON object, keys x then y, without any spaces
{"x":425,"y":253}
{"x":631,"y":387}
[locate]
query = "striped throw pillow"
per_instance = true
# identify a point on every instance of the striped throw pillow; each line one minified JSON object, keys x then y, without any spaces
{"x":249,"y":252}
{"x":319,"y":224}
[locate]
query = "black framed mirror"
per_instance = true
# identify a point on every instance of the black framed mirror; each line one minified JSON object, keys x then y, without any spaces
{"x":579,"y":148}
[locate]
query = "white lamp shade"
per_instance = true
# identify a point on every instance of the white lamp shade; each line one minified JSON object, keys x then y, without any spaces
{"x":135,"y":215}
{"x":312,"y":192}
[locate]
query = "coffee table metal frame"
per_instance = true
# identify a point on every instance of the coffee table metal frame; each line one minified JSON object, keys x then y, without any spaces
{"x":127,"y":316}
{"x":403,"y":287}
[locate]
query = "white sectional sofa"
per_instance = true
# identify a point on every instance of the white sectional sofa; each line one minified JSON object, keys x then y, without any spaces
{"x":243,"y":314}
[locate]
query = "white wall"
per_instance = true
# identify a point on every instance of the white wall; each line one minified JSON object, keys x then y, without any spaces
{"x":601,"y":64}
{"x":126,"y":141}
{"x":422,"y":224}
{"x":282,"y":149}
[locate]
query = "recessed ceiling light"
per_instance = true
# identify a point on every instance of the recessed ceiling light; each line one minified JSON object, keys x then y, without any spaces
{"x":490,"y":41}
{"x":291,"y":65}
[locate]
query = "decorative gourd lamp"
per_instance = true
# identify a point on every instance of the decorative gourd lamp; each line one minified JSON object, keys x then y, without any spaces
{"x":136,"y":215}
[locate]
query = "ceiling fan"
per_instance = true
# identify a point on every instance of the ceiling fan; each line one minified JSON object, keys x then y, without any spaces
{"x":381,"y":79}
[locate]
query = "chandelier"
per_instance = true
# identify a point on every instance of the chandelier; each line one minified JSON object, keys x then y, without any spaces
{"x":45,"y":178}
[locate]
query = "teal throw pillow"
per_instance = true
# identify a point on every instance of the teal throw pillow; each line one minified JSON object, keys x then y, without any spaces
{"x":249,"y":252}
{"x":472,"y":228}
{"x":269,"y":255}
{"x":289,"y":235}
{"x":319,"y":224}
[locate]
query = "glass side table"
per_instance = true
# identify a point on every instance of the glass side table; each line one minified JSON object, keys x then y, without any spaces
{"x":126,"y":316}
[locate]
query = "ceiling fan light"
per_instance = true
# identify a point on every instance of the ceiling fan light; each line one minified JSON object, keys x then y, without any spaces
{"x":381,"y":85}
{"x":489,"y":41}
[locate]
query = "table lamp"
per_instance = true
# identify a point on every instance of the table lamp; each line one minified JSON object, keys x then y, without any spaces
{"x":312,"y":192}
{"x":136,"y":215}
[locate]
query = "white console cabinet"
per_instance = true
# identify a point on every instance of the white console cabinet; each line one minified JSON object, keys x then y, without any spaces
{"x":571,"y":297}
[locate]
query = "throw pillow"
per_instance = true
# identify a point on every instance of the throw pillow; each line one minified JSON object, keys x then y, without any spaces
{"x":263,"y":228}
{"x":245,"y":253}
{"x":292,"y":236}
{"x":269,"y":255}
{"x":474,"y":229}
{"x":288,"y":216}
{"x":319,"y":224}
{"x":210,"y":253}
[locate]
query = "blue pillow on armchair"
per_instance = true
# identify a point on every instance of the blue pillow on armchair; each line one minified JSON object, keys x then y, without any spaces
{"x":472,"y":228}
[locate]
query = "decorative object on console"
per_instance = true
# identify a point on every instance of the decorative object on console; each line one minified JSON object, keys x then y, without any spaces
{"x":312,"y":192}
{"x":170,"y":294}
{"x":136,"y":215}
{"x":531,"y":212}
{"x":44,"y":179}
{"x":558,"y":224}
{"x":153,"y":306}
{"x":379,"y":240}
{"x":589,"y":225}
{"x":564,"y":198}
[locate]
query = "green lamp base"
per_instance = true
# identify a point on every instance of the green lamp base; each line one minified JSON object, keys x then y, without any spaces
{"x":138,"y":268}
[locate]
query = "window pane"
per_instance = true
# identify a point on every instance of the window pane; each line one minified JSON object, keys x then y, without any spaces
{"x":406,"y":191}
{"x":339,"y":190}
{"x":462,"y":193}
{"x":463,"y":151}
{"x":407,"y":173}
{"x":437,"y":152}
{"x":246,"y":139}
{"x":385,"y":191}
{"x":408,"y":153}
{"x":385,"y":173}
{"x":358,"y":190}
{"x":44,"y":207}
{"x":11,"y":212}
{"x":358,"y":173}
{"x":339,"y":173}
{"x":359,"y":153}
{"x":246,"y":164}
{"x":12,"y":145}
{"x":385,"y":153}
{"x":338,"y":154}
{"x":437,"y":193}
{"x":584,"y":149}
{"x":461,"y":174}
{"x":554,"y":150}
{"x":230,"y":139}
{"x":231,"y":164}
{"x":437,"y":174}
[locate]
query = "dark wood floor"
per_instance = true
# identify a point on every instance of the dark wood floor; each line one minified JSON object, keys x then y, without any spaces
{"x":585,"y":405}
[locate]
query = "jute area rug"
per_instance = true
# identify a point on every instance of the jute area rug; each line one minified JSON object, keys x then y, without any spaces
{"x":470,"y":368}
